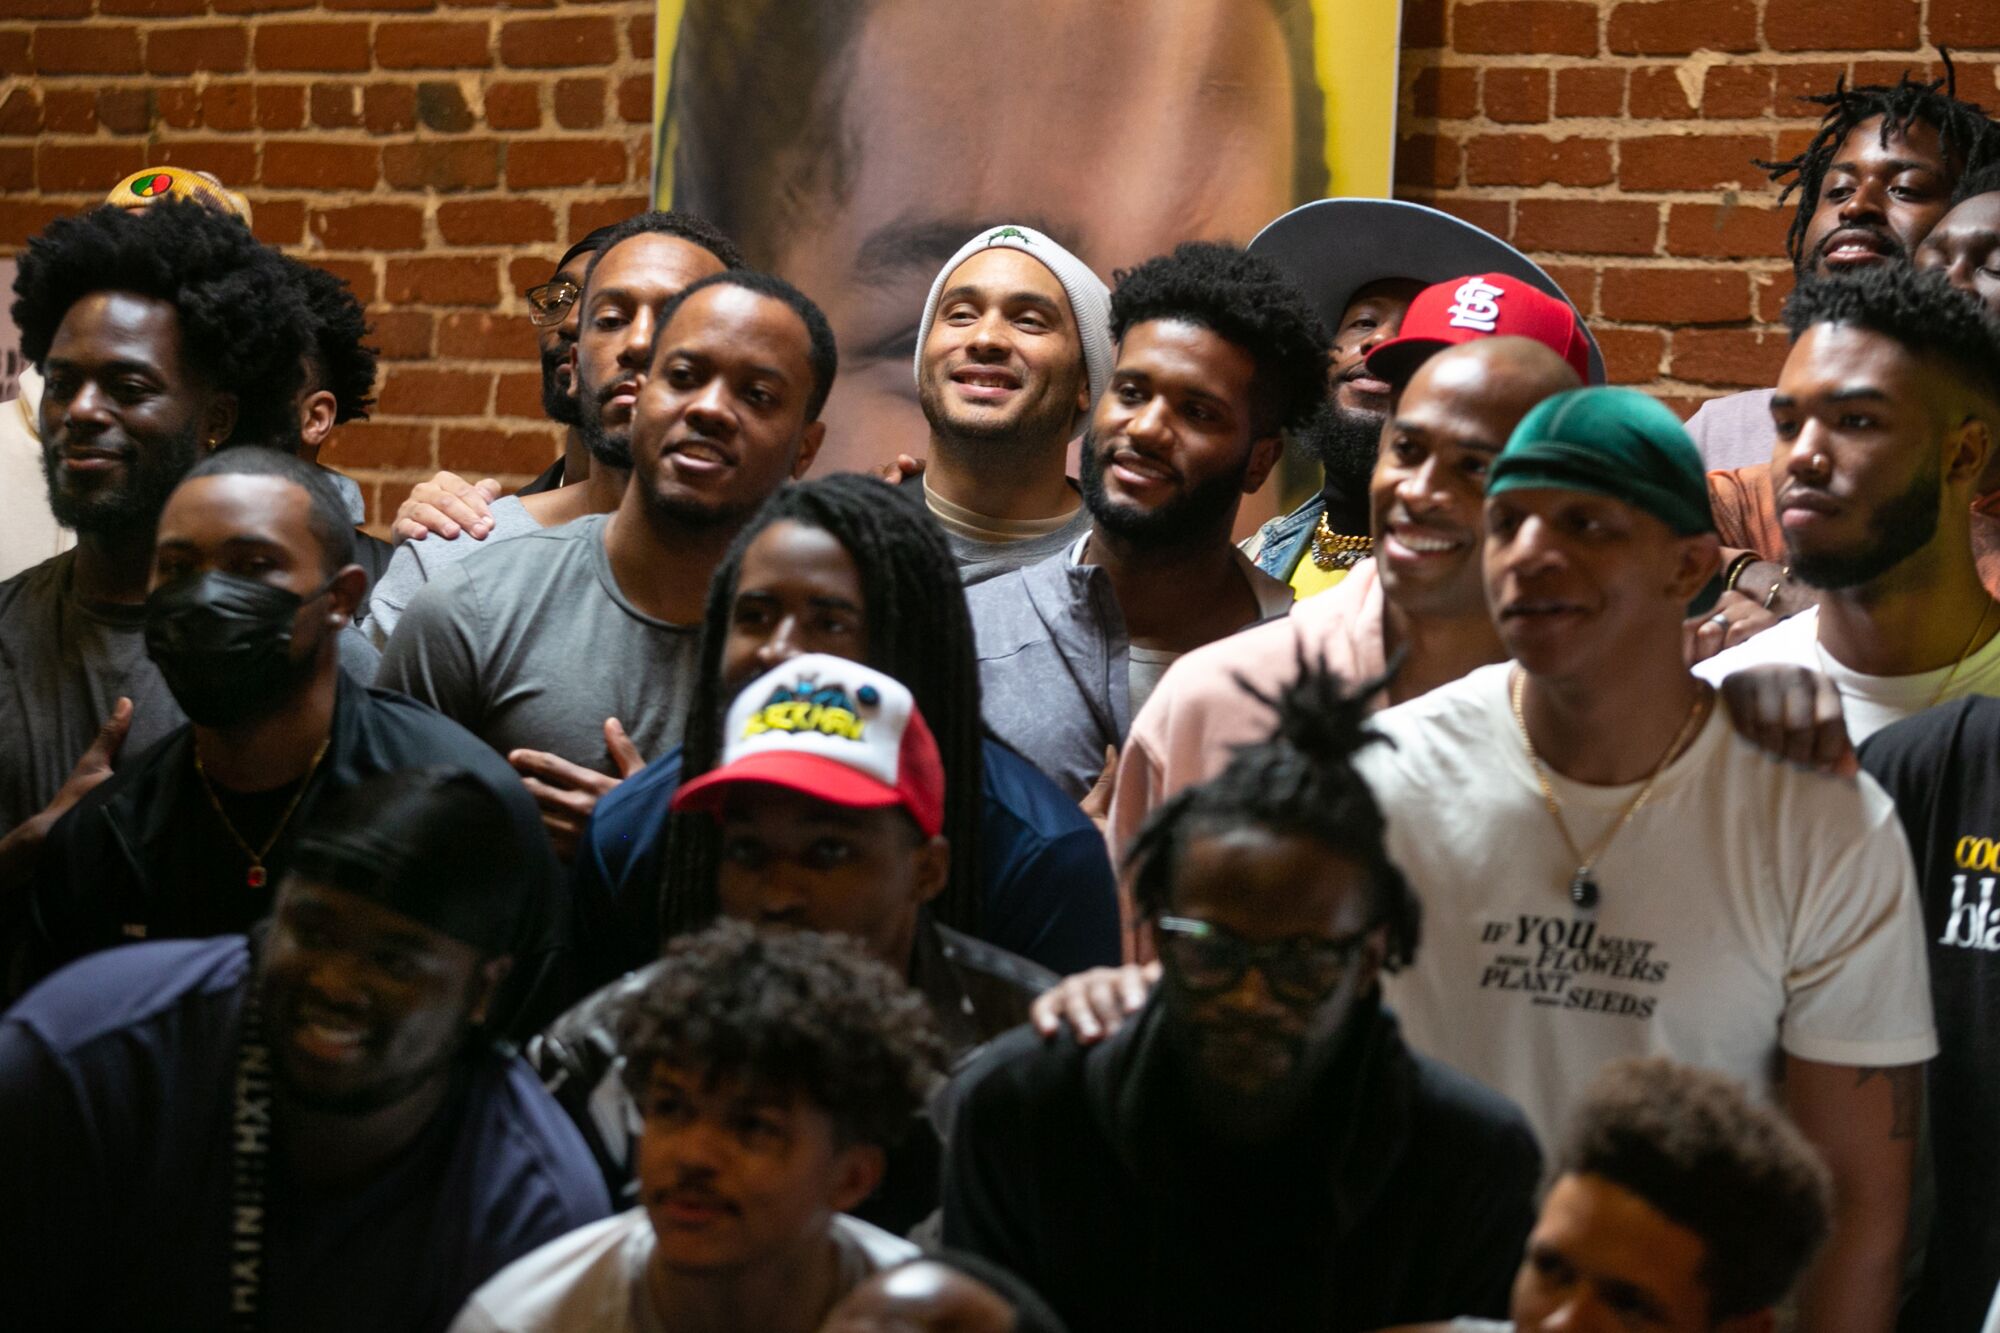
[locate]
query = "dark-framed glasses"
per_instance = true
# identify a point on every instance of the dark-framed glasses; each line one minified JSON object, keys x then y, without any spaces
{"x":1209,"y":959}
{"x":549,"y":302}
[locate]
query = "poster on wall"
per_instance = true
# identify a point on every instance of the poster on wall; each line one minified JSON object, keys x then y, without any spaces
{"x":10,"y":340}
{"x":853,"y":145}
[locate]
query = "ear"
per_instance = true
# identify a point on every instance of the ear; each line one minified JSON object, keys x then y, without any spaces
{"x":349,"y":586}
{"x":1698,"y":559}
{"x":810,"y":439}
{"x":486,"y":984}
{"x":857,"y":1170}
{"x":1967,"y":450}
{"x":218,"y":421}
{"x":1373,"y":950}
{"x":933,"y":868}
{"x":316,"y":413}
{"x":1264,"y":455}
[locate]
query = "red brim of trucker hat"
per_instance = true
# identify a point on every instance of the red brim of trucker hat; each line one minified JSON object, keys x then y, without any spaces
{"x":811,"y":775}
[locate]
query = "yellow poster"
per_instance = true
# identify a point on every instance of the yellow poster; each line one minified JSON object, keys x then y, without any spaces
{"x":853,"y":145}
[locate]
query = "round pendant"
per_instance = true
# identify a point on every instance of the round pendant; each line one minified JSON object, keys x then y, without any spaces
{"x":1583,"y":889}
{"x":255,"y":877}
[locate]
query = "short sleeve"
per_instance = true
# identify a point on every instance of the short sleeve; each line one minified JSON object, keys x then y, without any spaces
{"x":393,"y":592}
{"x":435,"y":654}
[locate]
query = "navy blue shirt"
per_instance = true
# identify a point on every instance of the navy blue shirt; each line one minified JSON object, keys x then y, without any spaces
{"x":117,"y":1083}
{"x":1047,"y":891}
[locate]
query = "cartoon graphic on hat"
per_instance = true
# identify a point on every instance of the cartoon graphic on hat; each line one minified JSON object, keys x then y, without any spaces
{"x":831,"y":729}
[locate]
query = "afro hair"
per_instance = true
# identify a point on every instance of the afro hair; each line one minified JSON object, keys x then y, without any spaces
{"x":243,"y":326}
{"x":343,"y":364}
{"x":1917,"y":308}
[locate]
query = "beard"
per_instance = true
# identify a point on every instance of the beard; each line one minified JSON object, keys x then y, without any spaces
{"x":1343,"y":442}
{"x":155,"y":469}
{"x":614,"y":451}
{"x":1037,"y":427}
{"x":1900,"y":527}
{"x":557,"y":405}
{"x":1189,"y":518}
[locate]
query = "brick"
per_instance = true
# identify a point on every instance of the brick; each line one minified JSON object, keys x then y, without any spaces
{"x":1631,"y":356}
{"x":178,"y":107}
{"x":642,"y":35}
{"x":514,"y":106}
{"x":257,"y":6}
{"x":501,"y":221}
{"x":441,"y":107}
{"x":1590,"y":91}
{"x":432,"y":44}
{"x":231,"y":161}
{"x":384,"y":6}
{"x":279,"y":221}
{"x":1749,"y":357}
{"x":370,"y":227}
{"x":1578,"y":282}
{"x":401,"y":335}
{"x":441,"y":281}
{"x":1675,"y":295}
{"x":1494,"y":215}
{"x":312,"y":46}
{"x":455,"y":164}
{"x":1794,"y":82}
{"x":379,"y":444}
{"x":336,"y":106}
{"x":1656,"y":94}
{"x":1534,"y":159}
{"x":1427,"y":160}
{"x":1584,"y":226}
{"x":539,"y":163}
{"x":579,"y":103}
{"x":1737,"y":92}
{"x":154,"y":9}
{"x":1965,"y":23}
{"x":1773,"y":287}
{"x":69,"y":111}
{"x":22,"y":218}
{"x":1515,"y":96}
{"x":358,"y":274}
{"x":125,"y":110}
{"x":587,"y":215}
{"x":229,"y":106}
{"x":48,"y":9}
{"x":388,"y":108}
{"x":1682,"y":405}
{"x":499,"y":451}
{"x":17,"y":170}
{"x":1812,"y":25}
{"x":309,"y":165}
{"x":92,"y":49}
{"x":21,"y":112}
{"x":1525,"y":27}
{"x":559,"y":43}
{"x":1680,"y":27}
{"x":635,"y":99}
{"x":1691,"y":161}
{"x":519,"y":394}
{"x":1449,"y":92}
{"x":14,"y":58}
{"x":433,"y":392}
{"x":1423,"y":24}
{"x":1889,"y":71}
{"x":481,"y":335}
{"x":1726,"y":231}
{"x":281,"y":106}
{"x":218,"y":49}
{"x":95,"y":167}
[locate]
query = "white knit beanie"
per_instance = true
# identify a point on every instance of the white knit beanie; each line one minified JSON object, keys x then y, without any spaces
{"x":1089,"y":298}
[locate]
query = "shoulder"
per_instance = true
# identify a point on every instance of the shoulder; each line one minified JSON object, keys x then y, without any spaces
{"x":36,"y":586}
{"x":567,"y":1283}
{"x":647,"y":792}
{"x":128,"y":987}
{"x":1732,"y":409}
{"x":1447,"y":711}
{"x":1019,"y":790}
{"x":399,"y":730}
{"x":1023,"y":978}
{"x":1467,"y":1113}
{"x":1791,"y":640}
{"x":879,"y":1248}
{"x":531,"y":1156}
{"x":1965,"y":726}
{"x":1016,"y":1072}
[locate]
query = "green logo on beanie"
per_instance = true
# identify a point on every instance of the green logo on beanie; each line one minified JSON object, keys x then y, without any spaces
{"x":1010,"y":234}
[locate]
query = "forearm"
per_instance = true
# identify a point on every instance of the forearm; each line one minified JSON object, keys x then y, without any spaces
{"x":1854,"y":1284}
{"x":1863,"y":1121}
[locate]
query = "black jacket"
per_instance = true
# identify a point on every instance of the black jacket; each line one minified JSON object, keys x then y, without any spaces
{"x":1406,"y":1196}
{"x":143,"y":857}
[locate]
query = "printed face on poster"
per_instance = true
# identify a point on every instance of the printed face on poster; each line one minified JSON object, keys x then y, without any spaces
{"x":853,"y":145}
{"x":11,"y":363}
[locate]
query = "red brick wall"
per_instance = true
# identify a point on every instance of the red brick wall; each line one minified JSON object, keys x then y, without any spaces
{"x":440,"y":153}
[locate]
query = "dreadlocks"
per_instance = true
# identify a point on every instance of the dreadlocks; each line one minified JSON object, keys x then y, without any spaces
{"x":918,"y":632}
{"x":1301,"y":781}
{"x":1969,"y":138}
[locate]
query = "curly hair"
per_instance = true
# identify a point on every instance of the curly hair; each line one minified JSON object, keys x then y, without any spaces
{"x":919,"y":632}
{"x":1697,"y":1149}
{"x":821,"y":354}
{"x":789,"y":1012}
{"x":1300,"y":781}
{"x":1250,"y":302}
{"x":242,"y":324}
{"x":342,"y":364}
{"x":1968,"y":137}
{"x":1983,"y":180}
{"x":1917,"y":308}
{"x":664,"y":222}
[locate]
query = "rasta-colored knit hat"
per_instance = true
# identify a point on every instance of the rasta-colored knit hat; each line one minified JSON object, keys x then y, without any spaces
{"x":1613,"y":442}
{"x":1089,"y":298}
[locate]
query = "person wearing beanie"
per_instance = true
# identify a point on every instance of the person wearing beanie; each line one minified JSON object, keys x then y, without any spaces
{"x":1609,"y":869}
{"x":1013,"y":351}
{"x":1887,"y":413}
{"x":313,"y":1128}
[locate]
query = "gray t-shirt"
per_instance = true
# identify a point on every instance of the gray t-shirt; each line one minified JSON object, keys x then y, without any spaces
{"x":63,"y":664}
{"x":533,"y":645}
{"x":979,"y":560}
{"x":417,"y":563}
{"x":1735,"y":430}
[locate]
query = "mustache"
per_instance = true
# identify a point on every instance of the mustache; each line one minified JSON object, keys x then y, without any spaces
{"x":1892,"y":248}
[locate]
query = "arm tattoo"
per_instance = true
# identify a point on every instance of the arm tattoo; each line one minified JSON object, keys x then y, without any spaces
{"x":1906,"y":1095}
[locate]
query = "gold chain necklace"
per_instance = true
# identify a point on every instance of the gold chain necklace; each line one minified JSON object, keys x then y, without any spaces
{"x":1332,"y":550}
{"x":1583,"y":890}
{"x":256,"y":876}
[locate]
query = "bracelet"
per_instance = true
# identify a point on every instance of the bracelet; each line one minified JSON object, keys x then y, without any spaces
{"x":1742,"y":562}
{"x":1772,"y":596}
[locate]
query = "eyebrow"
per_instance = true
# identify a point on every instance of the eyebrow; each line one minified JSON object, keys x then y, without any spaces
{"x":1894,"y":164}
{"x":1853,"y":393}
{"x":815,"y":599}
{"x":922,"y":245}
{"x":966,"y":292}
{"x":116,"y":365}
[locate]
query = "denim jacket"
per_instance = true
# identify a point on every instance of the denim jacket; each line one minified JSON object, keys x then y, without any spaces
{"x":1278,"y":546}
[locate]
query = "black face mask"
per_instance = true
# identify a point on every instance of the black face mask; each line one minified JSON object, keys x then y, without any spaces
{"x":223,"y":643}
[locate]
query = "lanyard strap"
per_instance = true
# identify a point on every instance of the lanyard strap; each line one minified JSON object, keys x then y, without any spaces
{"x":250,"y":1152}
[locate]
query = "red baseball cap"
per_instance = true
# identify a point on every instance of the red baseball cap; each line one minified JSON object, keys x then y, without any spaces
{"x":1488,"y":305}
{"x":831,"y":729}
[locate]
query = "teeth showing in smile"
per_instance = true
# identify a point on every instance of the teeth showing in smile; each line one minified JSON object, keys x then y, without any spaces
{"x":1426,"y":545}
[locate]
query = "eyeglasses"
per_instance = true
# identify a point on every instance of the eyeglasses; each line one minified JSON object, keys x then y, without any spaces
{"x":1208,"y":959}
{"x":549,"y":302}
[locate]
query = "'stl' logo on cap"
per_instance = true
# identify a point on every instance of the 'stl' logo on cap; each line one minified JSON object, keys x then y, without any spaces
{"x":1476,"y":305}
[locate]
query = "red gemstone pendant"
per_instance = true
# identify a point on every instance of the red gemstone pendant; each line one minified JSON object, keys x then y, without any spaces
{"x":255,"y":878}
